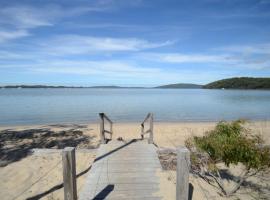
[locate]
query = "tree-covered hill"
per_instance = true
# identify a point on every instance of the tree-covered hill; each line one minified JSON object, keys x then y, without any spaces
{"x":180,"y":86}
{"x":240,"y":83}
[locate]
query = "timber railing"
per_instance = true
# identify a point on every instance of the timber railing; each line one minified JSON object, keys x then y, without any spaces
{"x":183,"y":188}
{"x":104,"y":118}
{"x":149,"y":118}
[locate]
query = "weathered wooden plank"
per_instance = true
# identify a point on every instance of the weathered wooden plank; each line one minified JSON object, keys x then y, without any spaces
{"x":69,"y":173}
{"x":122,"y":171}
{"x":117,"y":170}
{"x":130,"y":198}
{"x":39,"y":151}
{"x":125,"y":186}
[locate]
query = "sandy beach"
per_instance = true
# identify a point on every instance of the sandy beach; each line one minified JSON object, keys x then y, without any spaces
{"x":36,"y":174}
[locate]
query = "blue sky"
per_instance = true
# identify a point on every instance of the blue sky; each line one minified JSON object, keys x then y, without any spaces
{"x":132,"y":43}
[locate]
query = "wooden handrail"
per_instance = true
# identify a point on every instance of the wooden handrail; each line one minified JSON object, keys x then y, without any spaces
{"x":146,"y":118}
{"x":149,"y":117}
{"x":104,"y":117}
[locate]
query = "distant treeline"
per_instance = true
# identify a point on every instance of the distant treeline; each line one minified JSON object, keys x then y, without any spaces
{"x":36,"y":86}
{"x":48,"y":86}
{"x":180,"y":86}
{"x":240,"y":83}
{"x":231,"y":83}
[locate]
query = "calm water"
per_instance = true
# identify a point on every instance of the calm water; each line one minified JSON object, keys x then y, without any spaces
{"x":38,"y":106}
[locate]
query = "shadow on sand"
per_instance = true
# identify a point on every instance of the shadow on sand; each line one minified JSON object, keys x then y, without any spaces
{"x":15,"y":145}
{"x":56,"y":187}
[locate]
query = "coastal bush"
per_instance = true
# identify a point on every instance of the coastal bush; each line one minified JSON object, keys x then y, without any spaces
{"x":231,"y":144}
{"x":240,"y":83}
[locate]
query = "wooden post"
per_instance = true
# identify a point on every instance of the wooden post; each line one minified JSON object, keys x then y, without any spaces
{"x":142,"y":131}
{"x":102,"y":136}
{"x":111,"y":129}
{"x":69,"y":173}
{"x":151,"y":139}
{"x":182,"y":173}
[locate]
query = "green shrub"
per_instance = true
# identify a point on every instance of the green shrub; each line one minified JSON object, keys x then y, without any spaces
{"x":232,"y":143}
{"x":228,"y":143}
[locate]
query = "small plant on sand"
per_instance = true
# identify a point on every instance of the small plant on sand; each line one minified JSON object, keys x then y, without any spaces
{"x":230,"y":144}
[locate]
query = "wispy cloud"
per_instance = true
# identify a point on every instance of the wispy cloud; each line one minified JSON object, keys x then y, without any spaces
{"x":18,"y":20}
{"x":184,"y":58}
{"x":26,"y":16}
{"x":115,"y":70}
{"x":77,"y":44}
{"x":23,"y":17}
{"x":255,"y":57}
{"x":10,"y":35}
{"x":247,"y":49}
{"x":15,"y":21}
{"x":105,"y":68}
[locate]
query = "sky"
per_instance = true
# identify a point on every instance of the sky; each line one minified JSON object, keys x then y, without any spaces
{"x":132,"y":42}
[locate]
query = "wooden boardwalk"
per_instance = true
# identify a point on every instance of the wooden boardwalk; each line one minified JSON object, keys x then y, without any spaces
{"x":123,"y":170}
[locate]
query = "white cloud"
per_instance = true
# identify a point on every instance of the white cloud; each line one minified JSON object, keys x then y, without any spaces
{"x":23,"y":17}
{"x":255,"y":57}
{"x":185,"y":58}
{"x":10,"y":35}
{"x":111,"y":68}
{"x":247,"y":49}
{"x":18,"y":20}
{"x":102,"y":70}
{"x":76,"y":44}
{"x":116,"y":70}
{"x":6,"y":55}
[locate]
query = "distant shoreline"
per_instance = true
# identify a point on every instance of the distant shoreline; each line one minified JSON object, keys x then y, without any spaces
{"x":96,"y":122}
{"x":243,"y":83}
{"x":90,"y":87}
{"x":143,"y":88}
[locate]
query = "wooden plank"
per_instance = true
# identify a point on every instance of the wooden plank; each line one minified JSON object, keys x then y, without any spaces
{"x":69,"y":173}
{"x":39,"y":151}
{"x":125,"y":186}
{"x":182,"y":173}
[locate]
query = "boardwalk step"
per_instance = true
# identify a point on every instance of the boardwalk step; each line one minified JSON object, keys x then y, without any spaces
{"x":123,"y":171}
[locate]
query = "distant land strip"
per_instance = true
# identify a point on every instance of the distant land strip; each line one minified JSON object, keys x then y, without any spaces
{"x":49,"y":86}
{"x":180,"y":86}
{"x":230,"y":83}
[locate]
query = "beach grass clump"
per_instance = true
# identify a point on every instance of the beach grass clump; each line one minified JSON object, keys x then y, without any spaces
{"x":232,"y":144}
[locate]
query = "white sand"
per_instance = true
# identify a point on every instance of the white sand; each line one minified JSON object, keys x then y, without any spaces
{"x":36,"y":174}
